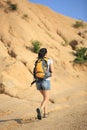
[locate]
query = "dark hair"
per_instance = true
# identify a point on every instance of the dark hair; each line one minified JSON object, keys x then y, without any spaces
{"x":42,"y":53}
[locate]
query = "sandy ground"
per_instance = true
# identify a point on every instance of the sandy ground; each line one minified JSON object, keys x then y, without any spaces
{"x":66,"y":113}
{"x":74,"y":118}
{"x":69,"y":119}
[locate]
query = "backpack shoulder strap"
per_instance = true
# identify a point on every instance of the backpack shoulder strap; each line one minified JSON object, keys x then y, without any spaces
{"x":46,"y":58}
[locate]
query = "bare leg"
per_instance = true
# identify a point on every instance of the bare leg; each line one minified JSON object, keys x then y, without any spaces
{"x":45,"y":94}
{"x":41,"y":91}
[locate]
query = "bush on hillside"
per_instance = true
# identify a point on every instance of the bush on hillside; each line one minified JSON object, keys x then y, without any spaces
{"x":81,"y":55}
{"x":36,"y":46}
{"x":78,"y":24}
{"x":13,"y":7}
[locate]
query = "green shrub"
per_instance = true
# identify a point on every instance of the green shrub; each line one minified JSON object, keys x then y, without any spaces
{"x":78,"y":24}
{"x":36,"y":46}
{"x":13,"y":7}
{"x":79,"y":60}
{"x":81,"y":55}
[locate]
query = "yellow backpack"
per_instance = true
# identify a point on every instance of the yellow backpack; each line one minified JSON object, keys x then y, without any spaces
{"x":41,"y":69}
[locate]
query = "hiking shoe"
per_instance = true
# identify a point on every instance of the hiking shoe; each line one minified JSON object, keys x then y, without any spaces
{"x":38,"y":113}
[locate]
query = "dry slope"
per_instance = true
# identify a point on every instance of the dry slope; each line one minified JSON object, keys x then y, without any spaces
{"x":29,"y":22}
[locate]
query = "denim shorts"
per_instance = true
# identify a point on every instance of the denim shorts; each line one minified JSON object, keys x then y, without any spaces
{"x":43,"y":84}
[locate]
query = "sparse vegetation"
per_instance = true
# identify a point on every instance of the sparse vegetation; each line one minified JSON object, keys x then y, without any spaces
{"x":81,"y":55}
{"x":36,"y":46}
{"x":13,"y":7}
{"x":78,"y":24}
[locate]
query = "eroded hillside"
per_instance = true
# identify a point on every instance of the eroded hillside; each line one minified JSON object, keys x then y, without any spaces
{"x":23,"y":22}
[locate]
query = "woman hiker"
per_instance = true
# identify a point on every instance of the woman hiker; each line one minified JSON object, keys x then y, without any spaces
{"x":43,"y":86}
